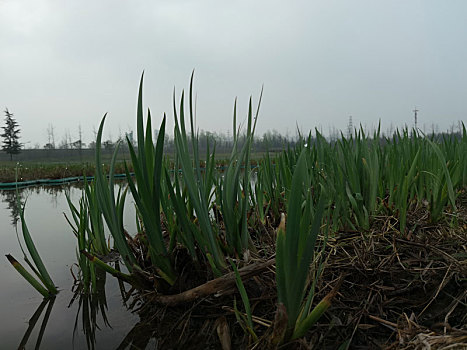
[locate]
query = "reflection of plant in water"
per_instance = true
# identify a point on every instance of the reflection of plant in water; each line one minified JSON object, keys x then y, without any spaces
{"x":89,"y":305}
{"x":33,"y":320}
{"x":137,"y":338}
{"x":56,"y":192}
{"x":9,"y":197}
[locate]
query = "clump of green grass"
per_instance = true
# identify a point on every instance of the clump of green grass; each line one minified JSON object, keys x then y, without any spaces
{"x":147,"y":161}
{"x":208,"y":217}
{"x":295,"y":248}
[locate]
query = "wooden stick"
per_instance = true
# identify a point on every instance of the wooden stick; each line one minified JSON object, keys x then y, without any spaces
{"x":216,"y":285}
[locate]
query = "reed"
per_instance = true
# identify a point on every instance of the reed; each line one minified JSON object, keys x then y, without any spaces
{"x":295,"y":247}
{"x":110,"y":205}
{"x":198,"y":187}
{"x":234,"y":188}
{"x":44,"y":286}
{"x":246,"y":322}
{"x":213,"y":217}
{"x":147,"y":162}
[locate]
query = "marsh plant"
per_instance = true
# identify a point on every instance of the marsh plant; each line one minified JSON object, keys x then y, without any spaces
{"x":42,"y":282}
{"x":192,"y":218}
{"x":312,"y":189}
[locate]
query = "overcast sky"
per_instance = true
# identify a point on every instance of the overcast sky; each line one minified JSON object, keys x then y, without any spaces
{"x":66,"y":63}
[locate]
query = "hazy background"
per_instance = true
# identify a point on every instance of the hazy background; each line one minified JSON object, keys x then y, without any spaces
{"x":66,"y":63}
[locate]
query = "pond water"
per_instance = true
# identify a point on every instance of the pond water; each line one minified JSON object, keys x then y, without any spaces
{"x":64,"y":327}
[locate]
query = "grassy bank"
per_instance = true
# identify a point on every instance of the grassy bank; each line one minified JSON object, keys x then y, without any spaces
{"x":34,"y":171}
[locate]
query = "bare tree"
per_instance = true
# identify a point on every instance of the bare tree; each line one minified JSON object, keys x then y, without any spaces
{"x":66,"y":140}
{"x":50,"y":137}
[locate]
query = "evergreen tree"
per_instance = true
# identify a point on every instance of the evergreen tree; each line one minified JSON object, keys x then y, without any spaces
{"x":10,"y":135}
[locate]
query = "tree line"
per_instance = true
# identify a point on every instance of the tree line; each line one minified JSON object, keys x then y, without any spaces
{"x":269,"y":141}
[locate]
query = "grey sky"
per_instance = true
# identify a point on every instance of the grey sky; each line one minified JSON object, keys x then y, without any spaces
{"x":68,"y":62}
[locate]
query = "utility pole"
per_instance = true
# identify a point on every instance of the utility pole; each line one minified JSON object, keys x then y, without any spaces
{"x":80,"y":134}
{"x":350,"y":127}
{"x":415,"y":111}
{"x":51,"y":136}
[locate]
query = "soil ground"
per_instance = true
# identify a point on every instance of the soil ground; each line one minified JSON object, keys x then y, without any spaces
{"x":399,"y":292}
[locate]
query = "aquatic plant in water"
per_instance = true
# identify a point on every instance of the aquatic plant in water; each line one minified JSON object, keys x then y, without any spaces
{"x":43,"y":283}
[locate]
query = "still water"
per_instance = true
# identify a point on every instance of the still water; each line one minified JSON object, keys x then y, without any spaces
{"x":64,"y":328}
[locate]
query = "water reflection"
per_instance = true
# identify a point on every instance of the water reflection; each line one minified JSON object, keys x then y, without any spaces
{"x":90,"y":303}
{"x":33,"y":320}
{"x":139,"y":337}
{"x":100,"y":318}
{"x":10,"y":198}
{"x":92,"y":309}
{"x":92,"y":312}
